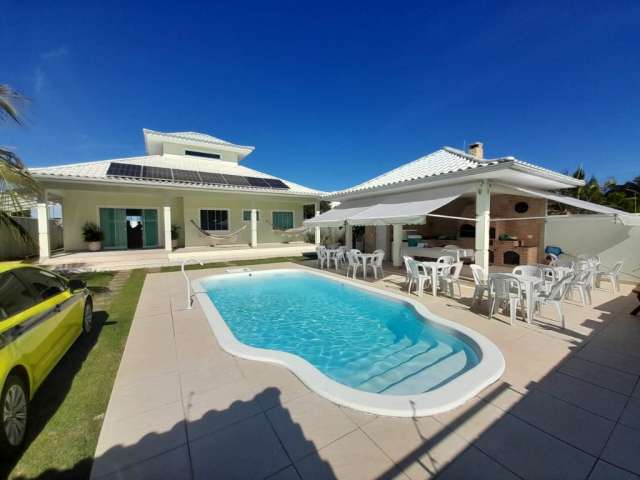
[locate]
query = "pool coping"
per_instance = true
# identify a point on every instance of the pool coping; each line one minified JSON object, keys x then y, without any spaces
{"x":444,"y":398}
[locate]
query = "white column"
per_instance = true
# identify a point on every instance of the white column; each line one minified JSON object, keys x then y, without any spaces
{"x":483,"y":211}
{"x":348,"y":236}
{"x":395,"y":246}
{"x":167,"y":228}
{"x":43,"y":229}
{"x":254,"y":228}
{"x":317,"y":229}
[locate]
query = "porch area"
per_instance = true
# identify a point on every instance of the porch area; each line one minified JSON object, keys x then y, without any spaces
{"x":158,"y":257}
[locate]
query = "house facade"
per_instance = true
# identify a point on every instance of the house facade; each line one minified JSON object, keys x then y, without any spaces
{"x":191,"y":181}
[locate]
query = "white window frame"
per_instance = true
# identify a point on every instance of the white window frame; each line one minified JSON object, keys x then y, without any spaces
{"x":249,"y":210}
{"x":219,"y":209}
{"x":293,"y":216}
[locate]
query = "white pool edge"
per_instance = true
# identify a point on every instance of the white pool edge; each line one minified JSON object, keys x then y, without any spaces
{"x":444,"y":398}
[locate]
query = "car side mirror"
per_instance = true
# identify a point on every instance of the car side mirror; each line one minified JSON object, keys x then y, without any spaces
{"x":77,"y":284}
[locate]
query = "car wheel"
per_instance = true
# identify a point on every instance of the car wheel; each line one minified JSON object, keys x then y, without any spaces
{"x":87,"y":316}
{"x":14,"y":404}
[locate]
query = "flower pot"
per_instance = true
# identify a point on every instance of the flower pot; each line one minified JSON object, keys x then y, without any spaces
{"x":174,"y":243}
{"x":94,"y":246}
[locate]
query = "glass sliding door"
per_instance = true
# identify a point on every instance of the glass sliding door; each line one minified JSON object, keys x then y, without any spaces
{"x":150,"y":227}
{"x":113,"y":224}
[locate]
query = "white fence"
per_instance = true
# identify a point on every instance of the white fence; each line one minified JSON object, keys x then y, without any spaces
{"x":12,"y":248}
{"x":598,"y":235}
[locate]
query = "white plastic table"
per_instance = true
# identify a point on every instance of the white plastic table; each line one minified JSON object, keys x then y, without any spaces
{"x":530,"y":284}
{"x":433,"y":267}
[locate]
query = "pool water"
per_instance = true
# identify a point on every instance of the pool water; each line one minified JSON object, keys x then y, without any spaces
{"x":366,"y":341}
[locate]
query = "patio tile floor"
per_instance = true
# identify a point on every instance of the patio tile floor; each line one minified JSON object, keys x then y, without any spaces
{"x":568,"y":405}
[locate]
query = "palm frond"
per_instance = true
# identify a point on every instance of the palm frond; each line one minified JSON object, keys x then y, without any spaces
{"x":8,"y":100}
{"x":7,"y":222}
{"x":17,"y":187}
{"x":15,"y":178}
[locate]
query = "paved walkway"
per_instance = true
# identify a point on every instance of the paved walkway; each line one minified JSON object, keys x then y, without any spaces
{"x":568,"y":405}
{"x":107,"y":260}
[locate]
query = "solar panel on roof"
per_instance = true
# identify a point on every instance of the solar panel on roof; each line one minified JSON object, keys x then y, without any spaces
{"x":124,"y":170}
{"x":276,"y":183}
{"x":257,"y":182}
{"x":186,"y":176}
{"x":157,"y":173}
{"x":236,"y":180}
{"x":117,"y":169}
{"x":212,"y":178}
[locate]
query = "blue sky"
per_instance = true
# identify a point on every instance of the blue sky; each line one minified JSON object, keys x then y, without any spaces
{"x":330,"y":93}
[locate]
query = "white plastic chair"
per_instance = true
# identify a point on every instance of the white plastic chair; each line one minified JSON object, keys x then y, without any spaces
{"x":415,"y":277}
{"x":592,"y":260}
{"x":339,"y":257}
{"x":376,"y":263}
{"x":353,"y":263}
{"x":581,"y":281}
{"x":446,"y":259}
{"x":506,"y":289}
{"x":564,"y":261}
{"x":527,"y":271}
{"x":612,"y":274}
{"x":453,"y":251}
{"x":321,"y":251}
{"x":554,"y":296}
{"x":550,"y":277}
{"x":450,"y":276}
{"x":481,"y":284}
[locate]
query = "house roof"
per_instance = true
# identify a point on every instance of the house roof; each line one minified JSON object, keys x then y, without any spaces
{"x":152,"y":137}
{"x":196,"y":137}
{"x":448,"y":162}
{"x":97,"y":172}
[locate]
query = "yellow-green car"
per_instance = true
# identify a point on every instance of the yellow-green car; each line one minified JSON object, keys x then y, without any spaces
{"x":41,"y":315}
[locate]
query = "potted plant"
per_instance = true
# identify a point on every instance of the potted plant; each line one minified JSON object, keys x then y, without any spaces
{"x":93,"y":236}
{"x":175,"y":234}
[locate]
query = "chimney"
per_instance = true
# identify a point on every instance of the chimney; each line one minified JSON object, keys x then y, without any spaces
{"x":476,"y":150}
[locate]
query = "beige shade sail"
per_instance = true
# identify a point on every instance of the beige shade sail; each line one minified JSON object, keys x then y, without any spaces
{"x":401,"y":208}
{"x":625,"y":217}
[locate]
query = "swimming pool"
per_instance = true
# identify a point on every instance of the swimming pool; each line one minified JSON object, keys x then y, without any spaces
{"x":353,"y":344}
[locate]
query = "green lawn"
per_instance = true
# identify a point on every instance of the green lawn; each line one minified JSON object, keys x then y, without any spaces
{"x":67,"y":411}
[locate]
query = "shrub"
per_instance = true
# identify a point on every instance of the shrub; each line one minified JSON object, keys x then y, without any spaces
{"x":175,"y":232}
{"x":92,"y":233}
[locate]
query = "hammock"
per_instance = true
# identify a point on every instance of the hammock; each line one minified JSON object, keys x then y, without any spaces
{"x":217,"y":239}
{"x":292,"y":232}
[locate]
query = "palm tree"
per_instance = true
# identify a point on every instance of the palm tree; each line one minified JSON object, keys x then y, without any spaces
{"x":16,"y":183}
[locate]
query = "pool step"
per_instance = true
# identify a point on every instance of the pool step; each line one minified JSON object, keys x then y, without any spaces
{"x":417,"y":370}
{"x":439,"y":372}
{"x":384,"y":359}
{"x":364,"y":361}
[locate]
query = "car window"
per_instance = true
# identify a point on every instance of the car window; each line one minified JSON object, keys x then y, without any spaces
{"x":15,"y":296}
{"x":44,"y":284}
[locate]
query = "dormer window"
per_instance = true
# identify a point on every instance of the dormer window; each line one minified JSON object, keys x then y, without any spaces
{"x":195,"y":153}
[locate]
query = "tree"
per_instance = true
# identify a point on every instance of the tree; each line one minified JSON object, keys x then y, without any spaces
{"x":16,"y":183}
{"x":610,"y":193}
